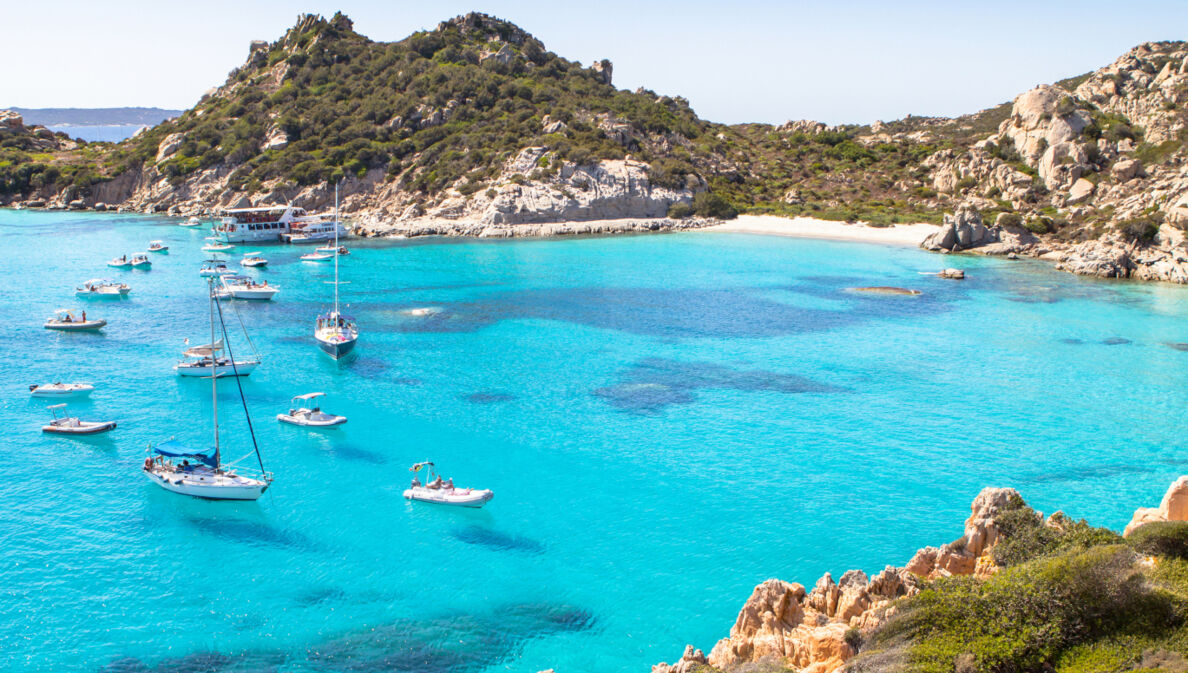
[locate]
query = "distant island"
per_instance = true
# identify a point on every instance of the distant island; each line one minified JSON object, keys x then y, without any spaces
{"x":99,"y":116}
{"x":474,"y":128}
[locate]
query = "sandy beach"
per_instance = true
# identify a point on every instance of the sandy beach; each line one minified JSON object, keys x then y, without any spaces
{"x":807,"y":227}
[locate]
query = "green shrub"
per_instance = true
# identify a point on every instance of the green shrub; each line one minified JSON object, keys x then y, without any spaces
{"x":708,"y":204}
{"x":1025,"y":535}
{"x":1143,"y":228}
{"x":1161,"y":538}
{"x":680,"y":210}
{"x":1011,"y":220}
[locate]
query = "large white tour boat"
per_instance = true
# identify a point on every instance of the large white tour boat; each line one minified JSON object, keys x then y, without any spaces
{"x":277,"y":224}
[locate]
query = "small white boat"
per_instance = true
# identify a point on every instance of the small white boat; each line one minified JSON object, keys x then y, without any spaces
{"x":60,"y":390}
{"x":310,"y":416}
{"x":253,"y":259}
{"x":317,"y":257}
{"x":222,"y":367}
{"x":64,"y":424}
{"x":242,"y":287}
{"x":192,"y":222}
{"x":214,"y":267}
{"x":98,"y":287}
{"x":443,"y":492}
{"x":121,"y":262}
{"x":141,"y":261}
{"x":158,"y":246}
{"x":65,"y":321}
{"x":217,"y":247}
{"x":330,"y":250}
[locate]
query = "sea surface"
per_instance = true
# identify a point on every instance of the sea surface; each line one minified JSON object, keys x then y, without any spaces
{"x":666,"y":421}
{"x":112,"y":133}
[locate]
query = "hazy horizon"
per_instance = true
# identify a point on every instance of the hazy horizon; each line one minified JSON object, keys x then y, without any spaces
{"x":850,"y":62}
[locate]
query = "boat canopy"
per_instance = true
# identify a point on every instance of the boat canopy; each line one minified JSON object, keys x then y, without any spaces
{"x":417,"y":467}
{"x":252,"y":254}
{"x":175,"y":449}
{"x":309,"y":396}
{"x":97,"y":281}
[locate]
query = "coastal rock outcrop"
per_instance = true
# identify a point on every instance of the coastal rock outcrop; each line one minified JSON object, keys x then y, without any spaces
{"x":1173,"y":507}
{"x":816,"y":631}
{"x":961,"y":230}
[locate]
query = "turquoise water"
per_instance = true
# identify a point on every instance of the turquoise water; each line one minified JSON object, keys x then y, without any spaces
{"x":666,"y":421}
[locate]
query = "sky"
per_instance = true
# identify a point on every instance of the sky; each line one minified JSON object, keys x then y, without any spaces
{"x":846,"y":61}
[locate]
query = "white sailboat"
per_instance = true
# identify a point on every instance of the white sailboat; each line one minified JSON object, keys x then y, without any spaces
{"x":336,"y":334}
{"x":169,"y":463}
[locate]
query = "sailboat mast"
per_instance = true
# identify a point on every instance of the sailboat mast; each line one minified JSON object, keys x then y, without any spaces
{"x":336,"y":251}
{"x":214,"y":367}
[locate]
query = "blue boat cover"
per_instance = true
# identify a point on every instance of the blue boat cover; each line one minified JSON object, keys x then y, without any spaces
{"x":175,"y":449}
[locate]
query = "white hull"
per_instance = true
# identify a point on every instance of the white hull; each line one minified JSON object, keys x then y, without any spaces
{"x":73,"y":426}
{"x":257,"y":294}
{"x":62,"y":391}
{"x":122,"y":292}
{"x":77,"y":326}
{"x":243,"y":368}
{"x":253,"y":262}
{"x":208,"y":484}
{"x":317,"y":420}
{"x":459,"y":497}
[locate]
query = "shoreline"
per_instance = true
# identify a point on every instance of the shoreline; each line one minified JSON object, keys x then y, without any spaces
{"x":808,"y":227}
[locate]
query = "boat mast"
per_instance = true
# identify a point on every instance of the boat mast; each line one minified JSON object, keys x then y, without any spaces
{"x":336,"y":315}
{"x":214,"y":367}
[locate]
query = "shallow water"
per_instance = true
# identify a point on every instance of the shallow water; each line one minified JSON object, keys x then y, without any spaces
{"x":666,"y":421}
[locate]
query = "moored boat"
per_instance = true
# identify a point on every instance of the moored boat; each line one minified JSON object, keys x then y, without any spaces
{"x":158,"y":246}
{"x":98,"y":287}
{"x":60,"y":390}
{"x":269,"y":224}
{"x":317,"y":257}
{"x":121,"y":262}
{"x":305,"y":411}
{"x":64,"y":424}
{"x":253,"y":259}
{"x":243,"y":287}
{"x":63,"y":320}
{"x":217,"y":247}
{"x":336,"y":333}
{"x":442,"y":491}
{"x":192,"y":222}
{"x":140,"y":261}
{"x":213,"y":267}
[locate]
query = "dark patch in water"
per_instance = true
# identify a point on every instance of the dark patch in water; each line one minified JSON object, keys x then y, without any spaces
{"x":319,"y":596}
{"x":407,"y":381}
{"x":655,"y":383}
{"x":358,"y":454}
{"x":1089,"y":472}
{"x":1180,"y":346}
{"x":368,"y":367}
{"x":447,"y":643}
{"x":1072,"y":341}
{"x":1115,"y":341}
{"x":489,"y":397}
{"x":493,"y":539}
{"x":251,"y":532}
{"x":663,"y":313}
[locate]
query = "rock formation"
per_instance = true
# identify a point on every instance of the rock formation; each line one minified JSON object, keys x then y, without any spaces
{"x":810,"y":631}
{"x":1173,"y":507}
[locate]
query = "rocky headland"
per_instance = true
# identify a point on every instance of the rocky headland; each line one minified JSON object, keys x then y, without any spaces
{"x":843,"y":624}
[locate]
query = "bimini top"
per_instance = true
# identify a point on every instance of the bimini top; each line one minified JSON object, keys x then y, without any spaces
{"x":175,"y":449}
{"x":308,"y":396}
{"x":417,"y":467}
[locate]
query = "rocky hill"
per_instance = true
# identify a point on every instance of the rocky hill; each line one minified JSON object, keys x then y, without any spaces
{"x":474,"y":128}
{"x":1017,"y":592}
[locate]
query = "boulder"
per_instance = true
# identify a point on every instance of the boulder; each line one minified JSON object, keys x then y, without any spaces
{"x":961,"y":230}
{"x":1126,"y":169}
{"x":169,"y":146}
{"x":603,"y":70}
{"x":952,"y":274}
{"x":11,"y":120}
{"x":503,"y":55}
{"x":1081,"y":190}
{"x":276,"y":139}
{"x":1173,"y":507}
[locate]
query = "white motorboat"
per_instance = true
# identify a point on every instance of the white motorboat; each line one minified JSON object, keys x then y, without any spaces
{"x":253,"y":259}
{"x":169,"y":466}
{"x":201,"y":367}
{"x":316,"y":229}
{"x":214,"y":267}
{"x":141,"y":261}
{"x":336,"y":333}
{"x":309,"y":414}
{"x":217,"y":247}
{"x":242,"y":287}
{"x":64,"y":424}
{"x":60,"y":390}
{"x":192,"y":222}
{"x":330,"y":249}
{"x":65,"y":321}
{"x":98,"y":287}
{"x":317,"y":257}
{"x":121,"y":262}
{"x":443,"y":492}
{"x":158,"y":246}
{"x":258,"y":225}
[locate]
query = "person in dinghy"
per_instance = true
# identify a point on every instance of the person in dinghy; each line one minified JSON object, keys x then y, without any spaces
{"x":442,"y":491}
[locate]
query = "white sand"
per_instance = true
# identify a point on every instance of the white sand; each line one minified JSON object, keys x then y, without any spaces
{"x":807,"y":227}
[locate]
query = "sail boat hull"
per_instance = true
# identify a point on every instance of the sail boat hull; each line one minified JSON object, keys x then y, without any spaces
{"x":241,"y":368}
{"x":209,"y":485}
{"x":336,"y":349}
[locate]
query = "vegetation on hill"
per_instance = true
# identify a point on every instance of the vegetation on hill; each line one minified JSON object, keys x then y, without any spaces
{"x":1071,"y":598}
